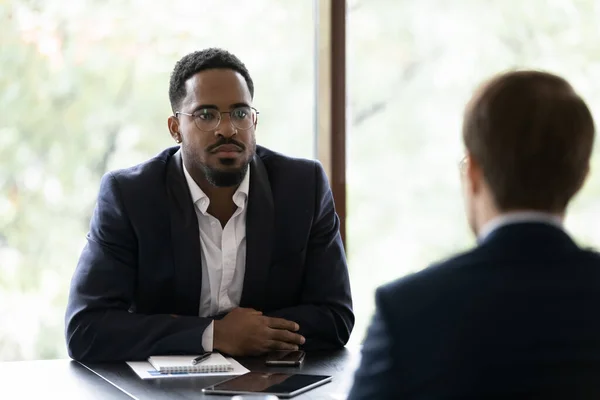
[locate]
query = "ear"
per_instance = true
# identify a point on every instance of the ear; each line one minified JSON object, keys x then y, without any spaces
{"x":473,"y":174}
{"x":173,"y":124}
{"x":584,"y":177}
{"x":587,"y":173}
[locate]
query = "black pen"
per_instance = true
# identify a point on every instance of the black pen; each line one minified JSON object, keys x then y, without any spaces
{"x":201,"y":358}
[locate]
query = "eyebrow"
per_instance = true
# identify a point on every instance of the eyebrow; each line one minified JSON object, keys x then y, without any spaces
{"x":214,"y":107}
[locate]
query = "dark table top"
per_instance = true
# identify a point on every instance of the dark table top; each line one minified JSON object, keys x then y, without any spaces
{"x":53,"y":379}
{"x":340,"y":364}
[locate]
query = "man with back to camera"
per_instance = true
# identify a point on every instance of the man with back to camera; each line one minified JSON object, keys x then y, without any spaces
{"x":517,"y":315}
{"x":216,"y":244}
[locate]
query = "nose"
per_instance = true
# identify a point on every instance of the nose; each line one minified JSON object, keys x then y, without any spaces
{"x":225,"y":128}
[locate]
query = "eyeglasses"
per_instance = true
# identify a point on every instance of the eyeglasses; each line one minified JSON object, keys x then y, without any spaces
{"x":462,"y":164}
{"x":209,"y":119}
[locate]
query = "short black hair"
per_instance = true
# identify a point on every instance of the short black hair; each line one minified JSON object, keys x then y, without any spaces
{"x":201,"y":60}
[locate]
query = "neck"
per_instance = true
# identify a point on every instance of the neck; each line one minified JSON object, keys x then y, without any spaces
{"x":221,"y":204}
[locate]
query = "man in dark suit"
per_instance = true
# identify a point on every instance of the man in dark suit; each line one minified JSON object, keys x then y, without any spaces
{"x":216,"y":244}
{"x":516,"y":316}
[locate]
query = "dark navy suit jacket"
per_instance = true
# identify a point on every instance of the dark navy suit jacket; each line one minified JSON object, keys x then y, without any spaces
{"x":517,"y":317}
{"x":136,"y":289}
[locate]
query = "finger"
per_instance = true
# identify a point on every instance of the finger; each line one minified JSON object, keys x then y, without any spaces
{"x":250,"y":311}
{"x":286,"y":336}
{"x":280,"y":323}
{"x":277,"y":345}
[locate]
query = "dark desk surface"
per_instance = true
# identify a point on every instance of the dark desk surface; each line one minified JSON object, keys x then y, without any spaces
{"x":340,"y":364}
{"x":55,"y":379}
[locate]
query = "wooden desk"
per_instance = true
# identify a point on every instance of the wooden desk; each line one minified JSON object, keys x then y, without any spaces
{"x":340,"y":364}
{"x":55,"y":379}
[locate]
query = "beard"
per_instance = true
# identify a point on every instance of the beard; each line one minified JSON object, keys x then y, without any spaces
{"x":220,"y":178}
{"x":222,"y":174}
{"x":227,"y":178}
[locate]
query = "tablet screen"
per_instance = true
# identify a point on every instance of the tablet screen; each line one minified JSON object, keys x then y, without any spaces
{"x":276,"y":383}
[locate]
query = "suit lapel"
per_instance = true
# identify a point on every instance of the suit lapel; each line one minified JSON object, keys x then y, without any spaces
{"x":185,"y":239}
{"x":259,"y":236}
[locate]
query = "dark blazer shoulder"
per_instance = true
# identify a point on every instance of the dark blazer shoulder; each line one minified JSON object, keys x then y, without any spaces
{"x":147,"y":170}
{"x":432,"y":274}
{"x":142,"y":184}
{"x":423,"y":291}
{"x":457,"y":273}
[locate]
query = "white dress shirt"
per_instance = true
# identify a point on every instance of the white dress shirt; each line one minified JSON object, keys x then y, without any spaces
{"x":223,"y":254}
{"x":518,"y":217}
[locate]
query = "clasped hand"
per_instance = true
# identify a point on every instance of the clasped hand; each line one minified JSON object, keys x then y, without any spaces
{"x":247,"y":332}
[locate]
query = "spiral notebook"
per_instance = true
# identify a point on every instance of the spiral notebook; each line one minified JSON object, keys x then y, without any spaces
{"x":177,"y":364}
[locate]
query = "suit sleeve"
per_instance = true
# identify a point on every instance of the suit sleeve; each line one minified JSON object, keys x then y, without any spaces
{"x":325,"y":316}
{"x":374,"y":378}
{"x":99,"y":323}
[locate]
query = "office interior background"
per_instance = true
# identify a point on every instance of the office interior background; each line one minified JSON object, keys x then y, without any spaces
{"x":84,"y":89}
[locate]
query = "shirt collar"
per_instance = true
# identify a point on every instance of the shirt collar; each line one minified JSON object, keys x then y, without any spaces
{"x":518,"y":217}
{"x":201,"y":200}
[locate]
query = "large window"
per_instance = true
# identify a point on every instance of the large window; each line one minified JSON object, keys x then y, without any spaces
{"x":84,"y":89}
{"x":412,"y":67}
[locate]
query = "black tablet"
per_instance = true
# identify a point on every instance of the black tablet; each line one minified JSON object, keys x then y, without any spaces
{"x":277,"y":383}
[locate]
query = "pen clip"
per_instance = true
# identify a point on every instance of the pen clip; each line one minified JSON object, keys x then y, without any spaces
{"x":201,"y":358}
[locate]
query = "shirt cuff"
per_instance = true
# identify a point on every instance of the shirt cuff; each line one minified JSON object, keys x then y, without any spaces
{"x":207,"y":338}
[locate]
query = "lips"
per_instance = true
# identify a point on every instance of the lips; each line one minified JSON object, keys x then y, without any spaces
{"x":227,"y":148}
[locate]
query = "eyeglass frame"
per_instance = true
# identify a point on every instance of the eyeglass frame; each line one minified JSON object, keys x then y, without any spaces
{"x":462,"y":164}
{"x":221,"y":118}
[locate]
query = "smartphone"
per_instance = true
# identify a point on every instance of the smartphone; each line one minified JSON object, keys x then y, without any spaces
{"x":285,"y":358}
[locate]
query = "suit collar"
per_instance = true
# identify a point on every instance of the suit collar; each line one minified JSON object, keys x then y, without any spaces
{"x":518,"y":217}
{"x":185,"y":239}
{"x":525,"y":236}
{"x":259,"y":236}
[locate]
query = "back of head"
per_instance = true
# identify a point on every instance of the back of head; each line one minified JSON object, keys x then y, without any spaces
{"x":532,"y":136}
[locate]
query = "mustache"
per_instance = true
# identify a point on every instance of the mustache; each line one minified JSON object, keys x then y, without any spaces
{"x":223,"y":141}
